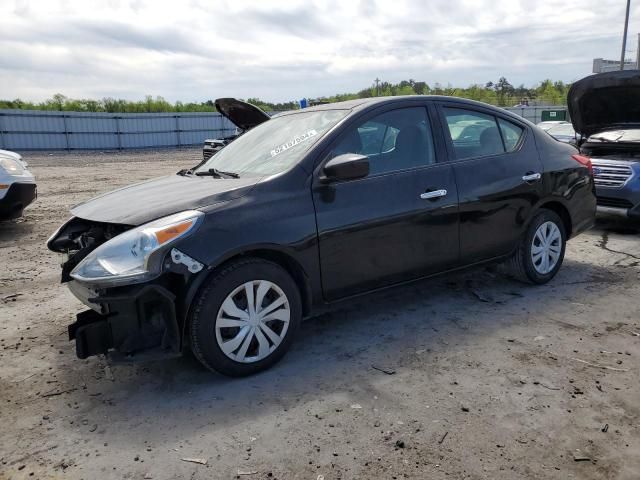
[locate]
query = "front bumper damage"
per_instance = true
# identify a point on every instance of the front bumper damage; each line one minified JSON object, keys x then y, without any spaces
{"x":137,"y":320}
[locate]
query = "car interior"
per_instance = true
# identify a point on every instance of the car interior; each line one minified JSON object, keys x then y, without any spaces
{"x":402,"y":139}
{"x":392,"y":141}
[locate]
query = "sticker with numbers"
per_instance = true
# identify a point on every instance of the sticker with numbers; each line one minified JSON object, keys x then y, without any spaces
{"x":293,"y":142}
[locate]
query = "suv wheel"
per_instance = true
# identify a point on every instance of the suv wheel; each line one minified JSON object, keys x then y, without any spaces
{"x":541,"y":250}
{"x":245,"y":318}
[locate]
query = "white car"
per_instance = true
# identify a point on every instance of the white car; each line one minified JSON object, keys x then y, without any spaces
{"x":17,"y":185}
{"x":552,"y":123}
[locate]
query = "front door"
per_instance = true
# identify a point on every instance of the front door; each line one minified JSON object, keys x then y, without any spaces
{"x":398,"y":223}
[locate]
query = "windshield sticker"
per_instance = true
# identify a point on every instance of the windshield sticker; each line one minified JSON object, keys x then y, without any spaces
{"x":292,"y":143}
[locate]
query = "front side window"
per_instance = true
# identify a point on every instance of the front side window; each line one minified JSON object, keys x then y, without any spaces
{"x":275,"y":145}
{"x":473,"y":134}
{"x":393,"y":141}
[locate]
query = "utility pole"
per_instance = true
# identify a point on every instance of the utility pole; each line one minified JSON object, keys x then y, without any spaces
{"x":624,"y":37}
{"x":377,"y":87}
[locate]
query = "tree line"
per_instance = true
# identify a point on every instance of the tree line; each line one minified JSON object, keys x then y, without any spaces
{"x":500,"y":93}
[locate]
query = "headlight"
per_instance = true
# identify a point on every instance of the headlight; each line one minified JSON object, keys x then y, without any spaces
{"x":11,"y":166}
{"x":135,"y":255}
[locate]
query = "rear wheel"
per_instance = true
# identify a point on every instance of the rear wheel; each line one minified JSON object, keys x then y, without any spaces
{"x":245,"y":318}
{"x":541,"y":251}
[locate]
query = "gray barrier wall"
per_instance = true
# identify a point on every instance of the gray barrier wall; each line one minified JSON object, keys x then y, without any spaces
{"x":49,"y":130}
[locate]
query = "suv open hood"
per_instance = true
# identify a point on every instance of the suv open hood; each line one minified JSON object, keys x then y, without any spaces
{"x":146,"y":201}
{"x":605,"y":101}
{"x":243,"y":114}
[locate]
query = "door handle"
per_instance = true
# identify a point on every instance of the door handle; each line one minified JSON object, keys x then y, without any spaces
{"x":532,"y":177}
{"x":433,"y":194}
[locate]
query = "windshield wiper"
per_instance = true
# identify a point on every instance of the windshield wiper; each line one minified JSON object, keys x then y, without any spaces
{"x":185,"y":171}
{"x":214,"y":172}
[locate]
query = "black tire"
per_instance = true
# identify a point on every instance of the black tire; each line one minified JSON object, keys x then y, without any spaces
{"x":521,"y":266}
{"x":208,"y":302}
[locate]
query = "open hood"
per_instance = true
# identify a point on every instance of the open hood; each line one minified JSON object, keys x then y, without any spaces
{"x":243,"y":114}
{"x":605,"y":101}
{"x":146,"y":201}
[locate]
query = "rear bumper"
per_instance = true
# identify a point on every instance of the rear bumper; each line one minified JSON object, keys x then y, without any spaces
{"x":130,"y":320}
{"x":17,"y":197}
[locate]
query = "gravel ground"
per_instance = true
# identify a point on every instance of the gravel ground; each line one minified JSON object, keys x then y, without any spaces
{"x":491,"y":379}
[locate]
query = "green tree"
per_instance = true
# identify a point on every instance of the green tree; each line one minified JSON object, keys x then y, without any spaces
{"x":501,"y":93}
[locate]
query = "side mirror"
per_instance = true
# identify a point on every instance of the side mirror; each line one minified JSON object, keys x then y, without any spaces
{"x":347,"y":166}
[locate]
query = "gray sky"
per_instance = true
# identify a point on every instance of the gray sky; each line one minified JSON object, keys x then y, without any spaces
{"x":201,"y":49}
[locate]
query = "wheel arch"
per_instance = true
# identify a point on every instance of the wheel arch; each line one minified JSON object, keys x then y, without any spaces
{"x":290,"y":264}
{"x":562,"y":211}
{"x":284,"y":260}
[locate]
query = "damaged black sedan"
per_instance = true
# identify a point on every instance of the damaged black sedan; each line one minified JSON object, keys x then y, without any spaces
{"x":311,"y":207}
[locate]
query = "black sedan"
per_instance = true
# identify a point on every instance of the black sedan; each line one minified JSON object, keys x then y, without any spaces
{"x":311,"y":207}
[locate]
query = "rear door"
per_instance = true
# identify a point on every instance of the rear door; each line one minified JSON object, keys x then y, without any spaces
{"x":398,"y":223}
{"x":498,"y":173}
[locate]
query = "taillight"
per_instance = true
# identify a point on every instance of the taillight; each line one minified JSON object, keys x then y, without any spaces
{"x":586,"y":161}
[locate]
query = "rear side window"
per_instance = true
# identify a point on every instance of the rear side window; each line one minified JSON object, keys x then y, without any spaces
{"x":473,"y":134}
{"x":511,"y":133}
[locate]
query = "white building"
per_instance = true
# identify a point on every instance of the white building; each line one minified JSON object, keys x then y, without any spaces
{"x":601,"y":65}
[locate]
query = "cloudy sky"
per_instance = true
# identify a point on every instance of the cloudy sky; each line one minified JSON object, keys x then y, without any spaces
{"x":282,"y":50}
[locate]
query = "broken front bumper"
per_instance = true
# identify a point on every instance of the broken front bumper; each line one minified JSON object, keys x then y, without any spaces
{"x":129,"y":320}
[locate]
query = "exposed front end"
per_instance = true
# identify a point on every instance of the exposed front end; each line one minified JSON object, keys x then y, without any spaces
{"x":131,"y":320}
{"x":132,"y":279}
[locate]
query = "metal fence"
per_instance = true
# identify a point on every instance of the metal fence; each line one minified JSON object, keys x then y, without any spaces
{"x":50,"y":130}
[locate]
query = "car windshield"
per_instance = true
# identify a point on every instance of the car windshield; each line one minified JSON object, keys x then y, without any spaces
{"x":275,"y":145}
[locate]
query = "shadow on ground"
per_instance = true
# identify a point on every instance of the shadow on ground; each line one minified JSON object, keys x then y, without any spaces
{"x":333,"y":353}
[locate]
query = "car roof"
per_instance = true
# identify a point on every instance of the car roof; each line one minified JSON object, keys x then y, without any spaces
{"x":361,"y":103}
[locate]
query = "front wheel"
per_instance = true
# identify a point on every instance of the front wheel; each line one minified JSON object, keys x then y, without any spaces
{"x":245,"y":318}
{"x":541,"y":250}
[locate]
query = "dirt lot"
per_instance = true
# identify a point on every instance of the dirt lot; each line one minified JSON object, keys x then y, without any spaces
{"x":493,"y":379}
